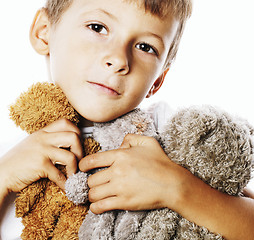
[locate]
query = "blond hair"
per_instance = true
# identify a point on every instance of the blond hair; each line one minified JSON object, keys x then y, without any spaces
{"x":181,"y":9}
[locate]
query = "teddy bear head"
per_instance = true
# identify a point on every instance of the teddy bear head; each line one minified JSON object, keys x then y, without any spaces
{"x":213,"y":145}
{"x":41,"y":105}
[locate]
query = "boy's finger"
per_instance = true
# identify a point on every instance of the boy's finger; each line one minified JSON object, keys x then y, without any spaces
{"x":65,"y":158}
{"x":131,"y":140}
{"x":65,"y":140}
{"x":100,"y":192}
{"x":106,"y":204}
{"x":55,"y":175}
{"x":62,"y":125}
{"x":97,"y":160}
{"x":99,"y":178}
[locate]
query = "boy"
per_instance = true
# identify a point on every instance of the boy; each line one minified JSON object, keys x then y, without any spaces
{"x":106,"y":61}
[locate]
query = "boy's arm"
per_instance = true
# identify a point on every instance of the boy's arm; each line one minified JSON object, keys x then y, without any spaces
{"x":141,"y":176}
{"x":3,"y":191}
{"x":233,"y":217}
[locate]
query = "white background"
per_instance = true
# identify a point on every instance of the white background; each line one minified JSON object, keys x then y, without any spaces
{"x":214,"y":65}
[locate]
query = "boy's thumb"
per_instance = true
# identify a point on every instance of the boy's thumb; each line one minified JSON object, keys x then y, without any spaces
{"x":132,"y":140}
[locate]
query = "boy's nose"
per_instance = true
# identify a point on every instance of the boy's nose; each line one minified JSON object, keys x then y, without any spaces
{"x":117,"y":62}
{"x":122,"y":69}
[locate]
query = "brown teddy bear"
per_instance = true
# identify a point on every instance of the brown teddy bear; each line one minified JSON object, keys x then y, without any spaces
{"x":45,"y":210}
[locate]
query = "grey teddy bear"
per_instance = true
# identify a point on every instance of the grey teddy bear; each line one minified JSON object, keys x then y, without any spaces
{"x":211,"y":144}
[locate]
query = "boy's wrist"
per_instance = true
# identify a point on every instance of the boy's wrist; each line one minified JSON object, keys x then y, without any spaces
{"x":189,"y":191}
{"x":179,"y":189}
{"x":183,"y":191}
{"x":191,"y":195}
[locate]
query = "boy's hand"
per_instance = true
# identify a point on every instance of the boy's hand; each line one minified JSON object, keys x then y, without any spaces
{"x":35,"y":156}
{"x":139,"y":176}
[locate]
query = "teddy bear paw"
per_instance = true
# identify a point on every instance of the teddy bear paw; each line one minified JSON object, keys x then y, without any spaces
{"x":76,"y":188}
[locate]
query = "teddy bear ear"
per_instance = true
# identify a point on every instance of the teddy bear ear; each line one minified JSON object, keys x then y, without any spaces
{"x":187,"y":129}
{"x":41,"y":105}
{"x":251,"y":129}
{"x":196,"y":123}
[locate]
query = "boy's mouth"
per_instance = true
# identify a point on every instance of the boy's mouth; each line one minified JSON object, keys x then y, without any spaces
{"x":105,"y":88}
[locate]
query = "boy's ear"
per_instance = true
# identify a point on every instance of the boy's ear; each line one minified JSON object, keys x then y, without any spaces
{"x":157,"y":84}
{"x":39,"y":32}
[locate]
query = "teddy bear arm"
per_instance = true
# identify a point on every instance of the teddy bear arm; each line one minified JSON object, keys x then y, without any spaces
{"x":29,"y":196}
{"x":187,"y":230}
{"x":98,"y":226}
{"x":76,"y":188}
{"x":128,"y":223}
{"x":159,"y":224}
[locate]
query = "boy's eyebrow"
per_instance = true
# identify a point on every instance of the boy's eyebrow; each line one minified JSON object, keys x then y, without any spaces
{"x":100,"y":10}
{"x":156,"y":36}
{"x":107,"y":13}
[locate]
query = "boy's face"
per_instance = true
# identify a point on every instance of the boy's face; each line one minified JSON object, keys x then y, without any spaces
{"x":107,"y":54}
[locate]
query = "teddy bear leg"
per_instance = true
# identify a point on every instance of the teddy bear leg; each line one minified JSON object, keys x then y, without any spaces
{"x":69,"y":222}
{"x":187,"y":230}
{"x":127,"y":224}
{"x":99,"y":227}
{"x":37,"y":226}
{"x":40,"y":221}
{"x":159,"y":224}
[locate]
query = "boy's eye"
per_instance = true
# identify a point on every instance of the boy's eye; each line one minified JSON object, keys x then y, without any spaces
{"x":98,"y":28}
{"x":146,"y":48}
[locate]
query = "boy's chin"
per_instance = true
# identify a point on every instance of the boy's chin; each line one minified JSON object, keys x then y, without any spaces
{"x":99,"y":117}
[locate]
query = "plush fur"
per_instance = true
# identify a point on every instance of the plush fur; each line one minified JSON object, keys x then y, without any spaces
{"x":214,"y":146}
{"x":211,"y":144}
